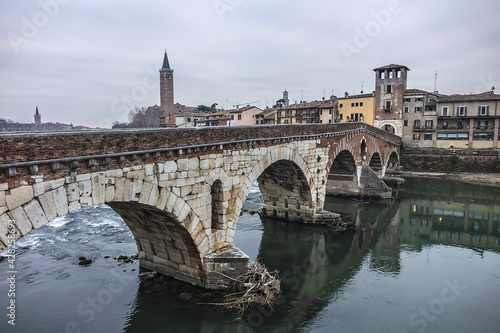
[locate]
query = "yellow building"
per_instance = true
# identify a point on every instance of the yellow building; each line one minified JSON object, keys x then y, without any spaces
{"x":357,"y":108}
{"x":286,"y":115}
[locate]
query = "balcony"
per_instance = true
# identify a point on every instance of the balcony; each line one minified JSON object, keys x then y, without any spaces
{"x":423,"y":129}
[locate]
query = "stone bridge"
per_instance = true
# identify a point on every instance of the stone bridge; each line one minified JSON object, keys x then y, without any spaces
{"x":181,"y":191}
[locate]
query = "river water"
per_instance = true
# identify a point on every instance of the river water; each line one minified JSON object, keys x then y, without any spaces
{"x":429,"y":261}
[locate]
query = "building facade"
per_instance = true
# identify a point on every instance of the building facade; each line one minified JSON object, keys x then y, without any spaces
{"x":356,"y":108}
{"x":419,"y":118}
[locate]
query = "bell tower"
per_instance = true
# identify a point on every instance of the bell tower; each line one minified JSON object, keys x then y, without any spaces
{"x":390,"y":85}
{"x":166,"y":87}
{"x":38,"y":118}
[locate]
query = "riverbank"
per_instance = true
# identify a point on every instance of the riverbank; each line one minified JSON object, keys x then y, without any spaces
{"x":491,"y":179}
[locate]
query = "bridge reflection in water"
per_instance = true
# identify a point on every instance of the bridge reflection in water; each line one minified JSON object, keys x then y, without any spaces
{"x":319,"y":267}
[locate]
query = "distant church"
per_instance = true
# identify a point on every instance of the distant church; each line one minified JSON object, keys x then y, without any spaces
{"x":38,"y":117}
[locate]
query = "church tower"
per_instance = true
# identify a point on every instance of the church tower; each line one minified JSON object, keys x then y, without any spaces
{"x":38,"y":118}
{"x":166,"y":87}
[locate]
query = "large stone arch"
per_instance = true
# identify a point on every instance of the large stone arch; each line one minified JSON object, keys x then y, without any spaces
{"x":169,"y":235}
{"x":276,"y":157}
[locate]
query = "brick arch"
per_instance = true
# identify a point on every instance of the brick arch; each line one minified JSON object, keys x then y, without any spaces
{"x":273,"y":156}
{"x":344,"y":144}
{"x":390,"y":154}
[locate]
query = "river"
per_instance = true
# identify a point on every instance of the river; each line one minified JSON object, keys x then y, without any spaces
{"x":428,"y":261}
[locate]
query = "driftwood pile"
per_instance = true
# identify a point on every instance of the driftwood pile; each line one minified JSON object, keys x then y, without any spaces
{"x":256,"y":287}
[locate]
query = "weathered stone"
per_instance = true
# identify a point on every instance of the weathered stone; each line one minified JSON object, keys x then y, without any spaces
{"x":35,"y":213}
{"x":21,"y":220}
{"x":182,"y":164}
{"x":48,"y":205}
{"x":74,"y":206}
{"x":19,"y":196}
{"x":60,"y":201}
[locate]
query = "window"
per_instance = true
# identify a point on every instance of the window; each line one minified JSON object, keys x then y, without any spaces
{"x":407,"y":100}
{"x":418,"y":109}
{"x":341,"y":105}
{"x":445,"y":125}
{"x":428,"y":137}
{"x":483,"y":110}
{"x":389,"y":88}
{"x":382,"y":75}
{"x":405,"y":123}
{"x":483,"y":124}
{"x":352,"y":105}
{"x":387,"y":105}
{"x":360,"y":103}
{"x":398,"y":74}
{"x":391,"y":75}
{"x":341,"y":116}
{"x":232,"y":117}
{"x":428,"y":124}
{"x":419,"y":99}
{"x":406,"y":109}
{"x":445,"y":111}
{"x":330,"y":111}
{"x":416,"y":123}
{"x":461,"y":111}
{"x":320,"y":112}
{"x":357,"y":104}
{"x":453,"y":136}
{"x":416,"y":136}
{"x":239,"y":117}
{"x":460,"y":125}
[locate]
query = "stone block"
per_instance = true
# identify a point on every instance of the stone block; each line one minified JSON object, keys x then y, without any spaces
{"x":86,"y":201}
{"x":119,"y":189}
{"x":48,"y":205}
{"x":169,"y":166}
{"x":21,"y":220}
{"x":19,"y":196}
{"x":73,"y":192}
{"x":182,"y":164}
{"x":35,"y":213}
{"x":194,"y":164}
{"x":98,"y":188}
{"x":169,"y":206}
{"x":110,"y":193}
{"x":205,"y":164}
{"x":74,"y":206}
{"x":154,"y":196}
{"x":145,"y":193}
{"x":149,"y":169}
{"x":162,"y":201}
{"x":85,"y":176}
{"x":85,"y":187}
{"x":5,"y":221}
{"x":60,"y":201}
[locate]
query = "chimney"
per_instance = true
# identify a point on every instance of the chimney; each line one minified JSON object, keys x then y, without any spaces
{"x":346,"y":94}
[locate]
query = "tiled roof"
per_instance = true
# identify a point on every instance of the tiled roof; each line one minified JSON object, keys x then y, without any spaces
{"x":391,"y":66}
{"x":415,"y":91}
{"x":486,"y":96}
{"x":359,"y":96}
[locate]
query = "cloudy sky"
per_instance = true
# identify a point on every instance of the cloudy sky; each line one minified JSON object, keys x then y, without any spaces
{"x":89,"y":62}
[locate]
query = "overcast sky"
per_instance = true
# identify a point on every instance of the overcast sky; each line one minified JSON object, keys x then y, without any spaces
{"x":88,"y":62}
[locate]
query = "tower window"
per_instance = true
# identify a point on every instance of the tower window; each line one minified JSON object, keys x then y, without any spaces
{"x":389,"y":89}
{"x":388,"y":106}
{"x":399,"y":73}
{"x":382,"y":75}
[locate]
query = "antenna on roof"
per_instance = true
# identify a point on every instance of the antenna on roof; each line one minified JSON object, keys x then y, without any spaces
{"x":302,"y":94}
{"x":435,"y":82}
{"x":362,"y":84}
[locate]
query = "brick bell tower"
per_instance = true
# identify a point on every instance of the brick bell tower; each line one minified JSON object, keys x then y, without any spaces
{"x":390,"y":85}
{"x":166,"y":87}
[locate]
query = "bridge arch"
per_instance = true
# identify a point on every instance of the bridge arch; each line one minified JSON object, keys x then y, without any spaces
{"x":343,"y":175}
{"x":392,"y":161}
{"x":375,"y":162}
{"x":286,"y":184}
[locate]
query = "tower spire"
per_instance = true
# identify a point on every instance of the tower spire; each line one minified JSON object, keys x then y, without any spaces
{"x":166,"y":65}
